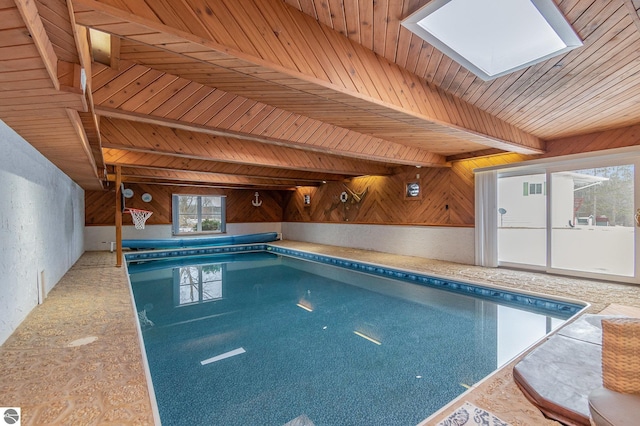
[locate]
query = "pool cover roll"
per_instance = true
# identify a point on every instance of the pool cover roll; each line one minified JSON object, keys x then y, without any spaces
{"x":225,"y":240}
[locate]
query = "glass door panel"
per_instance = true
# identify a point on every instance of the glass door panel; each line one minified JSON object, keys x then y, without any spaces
{"x":592,"y":220}
{"x":522,"y":220}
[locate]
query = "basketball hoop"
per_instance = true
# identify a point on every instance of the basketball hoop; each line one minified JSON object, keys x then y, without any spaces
{"x":139,"y":216}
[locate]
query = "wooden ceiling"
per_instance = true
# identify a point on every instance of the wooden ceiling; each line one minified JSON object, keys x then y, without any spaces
{"x":281,"y":93}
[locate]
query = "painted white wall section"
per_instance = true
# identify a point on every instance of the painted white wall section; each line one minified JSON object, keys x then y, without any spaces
{"x":454,"y":244}
{"x":253,"y":228}
{"x":99,"y":238}
{"x":41,"y":228}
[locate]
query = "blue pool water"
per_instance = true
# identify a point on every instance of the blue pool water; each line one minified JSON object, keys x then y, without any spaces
{"x":262,"y":339}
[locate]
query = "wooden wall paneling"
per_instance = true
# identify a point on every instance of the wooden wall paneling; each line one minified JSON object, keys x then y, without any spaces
{"x":599,"y":27}
{"x":111,"y":89}
{"x":617,"y":138}
{"x":383,"y":203}
{"x":33,"y":22}
{"x":436,"y":202}
{"x":145,"y":174}
{"x":146,"y":94}
{"x":462,"y":193}
{"x":591,"y":23}
{"x":575,"y":85}
{"x":240,"y":208}
{"x":338,"y":16}
{"x":167,"y":162}
{"x":157,"y":139}
{"x":291,"y":75}
{"x":57,"y":23}
{"x":605,"y":29}
{"x":57,"y":139}
{"x":534,"y":97}
{"x":160,"y":203}
{"x":625,"y":36}
{"x":100,"y":205}
{"x":316,"y":107}
{"x":634,"y":9}
{"x":462,"y":185}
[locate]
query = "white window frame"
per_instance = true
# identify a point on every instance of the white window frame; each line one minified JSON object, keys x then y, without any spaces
{"x":175,"y":213}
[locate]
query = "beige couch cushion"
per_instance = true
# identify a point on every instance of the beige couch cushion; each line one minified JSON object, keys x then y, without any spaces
{"x":609,"y":408}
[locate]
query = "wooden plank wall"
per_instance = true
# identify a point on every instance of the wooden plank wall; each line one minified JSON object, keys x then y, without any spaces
{"x":447,"y":200}
{"x":616,"y":138}
{"x":447,"y":197}
{"x":383,"y":203}
{"x":100,"y":205}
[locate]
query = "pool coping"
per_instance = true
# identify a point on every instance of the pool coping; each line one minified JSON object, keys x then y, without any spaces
{"x":145,"y":362}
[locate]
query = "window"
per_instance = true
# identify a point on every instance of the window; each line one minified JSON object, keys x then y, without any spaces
{"x":535,"y":188}
{"x":198,"y":214}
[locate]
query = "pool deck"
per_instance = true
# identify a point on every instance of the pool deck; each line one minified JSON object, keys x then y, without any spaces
{"x":76,"y":358}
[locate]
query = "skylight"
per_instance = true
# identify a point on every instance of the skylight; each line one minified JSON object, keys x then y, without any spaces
{"x":492,"y":38}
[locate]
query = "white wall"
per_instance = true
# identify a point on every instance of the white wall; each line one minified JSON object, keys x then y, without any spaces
{"x":97,"y":238}
{"x":454,"y":244}
{"x":41,"y":227}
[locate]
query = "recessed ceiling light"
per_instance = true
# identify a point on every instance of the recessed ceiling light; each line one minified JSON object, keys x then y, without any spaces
{"x":492,"y":38}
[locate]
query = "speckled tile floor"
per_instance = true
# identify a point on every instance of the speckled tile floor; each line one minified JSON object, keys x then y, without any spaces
{"x":103,"y":381}
{"x":55,"y":378}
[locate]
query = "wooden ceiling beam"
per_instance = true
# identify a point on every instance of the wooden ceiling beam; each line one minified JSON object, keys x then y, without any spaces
{"x":139,"y":93}
{"x":168,"y":162}
{"x":90,"y":120}
{"x":209,"y":178}
{"x":33,"y":21}
{"x":299,"y":53}
{"x":76,"y":123}
{"x":172,"y":181}
{"x":42,"y":94}
{"x":475,"y":154}
{"x":141,"y":137}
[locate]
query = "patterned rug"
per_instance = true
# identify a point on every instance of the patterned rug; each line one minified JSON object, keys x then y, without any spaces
{"x":470,"y":415}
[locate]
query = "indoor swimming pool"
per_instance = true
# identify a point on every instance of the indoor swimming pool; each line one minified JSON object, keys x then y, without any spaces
{"x":270,"y":335}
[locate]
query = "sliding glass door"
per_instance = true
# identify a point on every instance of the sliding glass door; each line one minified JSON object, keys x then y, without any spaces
{"x":592,"y":220}
{"x":522,"y":219}
{"x":578,"y":218}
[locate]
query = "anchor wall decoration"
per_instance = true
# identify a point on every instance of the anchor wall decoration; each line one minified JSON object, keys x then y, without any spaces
{"x":257,"y":202}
